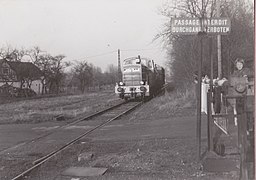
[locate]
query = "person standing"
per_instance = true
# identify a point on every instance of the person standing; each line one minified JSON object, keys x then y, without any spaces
{"x":240,"y":71}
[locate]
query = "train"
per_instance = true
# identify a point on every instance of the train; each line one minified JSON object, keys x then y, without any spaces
{"x":141,"y":78}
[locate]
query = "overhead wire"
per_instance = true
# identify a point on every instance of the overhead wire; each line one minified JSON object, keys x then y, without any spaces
{"x":125,"y":50}
{"x":97,"y":55}
{"x":111,"y":52}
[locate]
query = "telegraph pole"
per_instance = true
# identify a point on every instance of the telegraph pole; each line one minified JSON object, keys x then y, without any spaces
{"x":219,"y":42}
{"x":119,"y":66}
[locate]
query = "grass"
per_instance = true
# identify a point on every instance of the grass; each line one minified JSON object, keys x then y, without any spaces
{"x":46,"y":109}
{"x":167,"y":105}
{"x":176,"y":99}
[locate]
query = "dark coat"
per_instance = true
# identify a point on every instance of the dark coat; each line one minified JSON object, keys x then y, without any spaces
{"x":243,"y":72}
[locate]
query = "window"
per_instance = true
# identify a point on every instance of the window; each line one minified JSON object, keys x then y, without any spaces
{"x":128,"y":61}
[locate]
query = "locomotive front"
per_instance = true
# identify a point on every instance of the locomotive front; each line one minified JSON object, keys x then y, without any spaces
{"x":134,"y":83}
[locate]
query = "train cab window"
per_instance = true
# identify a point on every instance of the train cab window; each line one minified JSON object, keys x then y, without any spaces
{"x":136,"y":61}
{"x":132,"y":61}
{"x":128,"y":62}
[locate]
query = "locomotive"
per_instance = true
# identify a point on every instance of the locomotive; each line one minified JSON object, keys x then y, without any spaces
{"x":141,"y":78}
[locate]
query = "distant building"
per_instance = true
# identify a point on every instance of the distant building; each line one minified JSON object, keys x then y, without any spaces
{"x":20,"y":75}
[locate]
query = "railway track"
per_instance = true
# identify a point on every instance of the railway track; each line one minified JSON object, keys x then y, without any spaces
{"x":66,"y":136}
{"x":75,"y":121}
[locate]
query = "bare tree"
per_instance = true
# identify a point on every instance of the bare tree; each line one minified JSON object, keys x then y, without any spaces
{"x":35,"y":54}
{"x":83,"y":72}
{"x":111,"y":74}
{"x":43,"y":61}
{"x":12,"y":54}
{"x":56,"y":73}
{"x":183,"y":50}
{"x":97,"y":76}
{"x":240,"y":41}
{"x":52,"y":69}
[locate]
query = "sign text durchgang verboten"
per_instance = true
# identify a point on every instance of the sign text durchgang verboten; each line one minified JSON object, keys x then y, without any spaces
{"x":192,"y":26}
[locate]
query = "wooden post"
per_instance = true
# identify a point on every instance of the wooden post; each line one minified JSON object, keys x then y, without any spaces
{"x":242,"y":137}
{"x":209,"y":122}
{"x":254,"y":104}
{"x":209,"y":98}
{"x":198,"y":132}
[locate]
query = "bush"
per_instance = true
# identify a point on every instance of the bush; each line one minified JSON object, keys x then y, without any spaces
{"x":10,"y":91}
{"x":25,"y":92}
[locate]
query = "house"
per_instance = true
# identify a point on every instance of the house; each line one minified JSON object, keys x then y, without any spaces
{"x":20,"y":75}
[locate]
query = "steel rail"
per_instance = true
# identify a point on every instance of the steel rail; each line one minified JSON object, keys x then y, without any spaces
{"x":42,"y":160}
{"x":79,"y":119}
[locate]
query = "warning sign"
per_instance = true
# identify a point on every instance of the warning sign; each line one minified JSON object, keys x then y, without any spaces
{"x":191,"y":26}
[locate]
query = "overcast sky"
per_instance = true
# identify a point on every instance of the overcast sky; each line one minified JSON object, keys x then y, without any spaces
{"x":84,"y":29}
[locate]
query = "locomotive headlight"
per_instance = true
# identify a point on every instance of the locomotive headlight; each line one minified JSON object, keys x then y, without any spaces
{"x":142,"y":88}
{"x":120,"y":89}
{"x":142,"y":83}
{"x":121,"y":83}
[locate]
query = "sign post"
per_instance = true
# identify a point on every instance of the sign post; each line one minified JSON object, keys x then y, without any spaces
{"x":192,"y":26}
{"x":199,"y":101}
{"x":200,"y":27}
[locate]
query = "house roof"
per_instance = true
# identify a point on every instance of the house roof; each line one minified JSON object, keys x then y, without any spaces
{"x":25,"y":69}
